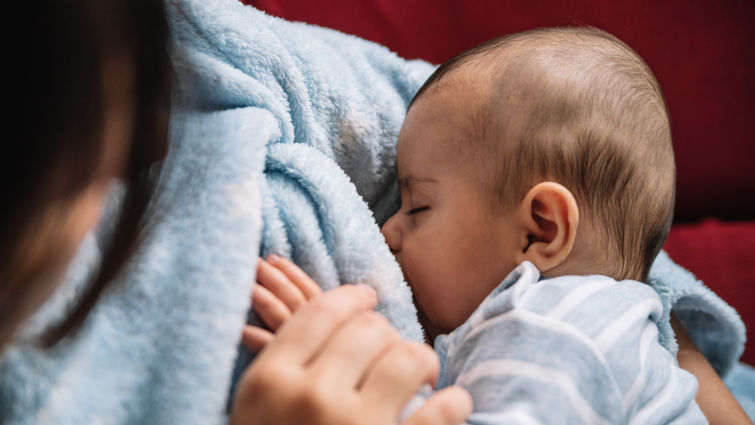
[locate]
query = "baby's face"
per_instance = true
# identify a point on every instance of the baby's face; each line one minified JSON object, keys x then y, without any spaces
{"x":453,"y":249}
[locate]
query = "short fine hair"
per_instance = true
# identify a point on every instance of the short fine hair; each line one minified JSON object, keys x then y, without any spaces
{"x":595,"y":121}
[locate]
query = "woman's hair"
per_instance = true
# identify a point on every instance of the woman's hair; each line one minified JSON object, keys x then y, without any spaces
{"x":55,"y":146}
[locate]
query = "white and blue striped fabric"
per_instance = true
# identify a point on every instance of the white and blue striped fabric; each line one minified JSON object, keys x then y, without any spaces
{"x":568,"y":350}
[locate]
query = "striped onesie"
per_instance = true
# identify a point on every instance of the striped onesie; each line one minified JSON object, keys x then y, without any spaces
{"x":567,"y":350}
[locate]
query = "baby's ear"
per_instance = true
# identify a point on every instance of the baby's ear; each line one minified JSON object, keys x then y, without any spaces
{"x":550,"y":217}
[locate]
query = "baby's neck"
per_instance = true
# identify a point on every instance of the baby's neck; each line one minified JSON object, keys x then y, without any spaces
{"x":586,"y":258}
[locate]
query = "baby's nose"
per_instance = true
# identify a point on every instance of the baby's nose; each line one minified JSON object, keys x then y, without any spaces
{"x":392,"y":234}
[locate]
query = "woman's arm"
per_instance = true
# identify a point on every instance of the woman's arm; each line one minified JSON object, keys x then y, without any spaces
{"x":715,"y":400}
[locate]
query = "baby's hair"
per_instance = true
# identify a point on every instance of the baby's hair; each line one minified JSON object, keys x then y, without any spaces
{"x":577,"y":106}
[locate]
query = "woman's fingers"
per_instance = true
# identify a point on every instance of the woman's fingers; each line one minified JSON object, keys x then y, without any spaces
{"x":302,"y":336}
{"x":306,"y":285}
{"x":353,"y":348}
{"x":279,"y":284}
{"x":300,"y":375}
{"x":256,"y":338}
{"x":398,"y":374}
{"x":269,"y":308}
{"x":450,"y":406}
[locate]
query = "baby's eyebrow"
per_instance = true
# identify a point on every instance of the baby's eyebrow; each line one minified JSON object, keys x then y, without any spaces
{"x":409,"y":181}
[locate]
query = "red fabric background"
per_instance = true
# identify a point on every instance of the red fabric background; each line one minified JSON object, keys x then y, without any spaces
{"x":703,"y":54}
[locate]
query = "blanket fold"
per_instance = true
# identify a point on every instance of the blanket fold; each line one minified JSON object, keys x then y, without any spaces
{"x":282,"y":140}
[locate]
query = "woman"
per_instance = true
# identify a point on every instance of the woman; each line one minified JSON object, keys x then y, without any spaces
{"x":93,"y":102}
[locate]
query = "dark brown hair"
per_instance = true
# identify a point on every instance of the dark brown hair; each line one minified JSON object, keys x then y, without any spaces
{"x":58,"y":100}
{"x":595,"y":121}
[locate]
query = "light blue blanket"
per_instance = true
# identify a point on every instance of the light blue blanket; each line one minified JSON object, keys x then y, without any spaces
{"x":282,"y":140}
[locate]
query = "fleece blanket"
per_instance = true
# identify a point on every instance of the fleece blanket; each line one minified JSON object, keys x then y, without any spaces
{"x":282,"y":140}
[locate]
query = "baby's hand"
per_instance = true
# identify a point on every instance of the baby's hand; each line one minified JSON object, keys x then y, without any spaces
{"x":281,"y":289}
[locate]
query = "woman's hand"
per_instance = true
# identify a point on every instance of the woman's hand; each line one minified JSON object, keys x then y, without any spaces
{"x":337,"y":362}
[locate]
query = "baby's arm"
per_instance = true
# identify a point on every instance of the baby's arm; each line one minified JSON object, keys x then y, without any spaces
{"x":281,"y":289}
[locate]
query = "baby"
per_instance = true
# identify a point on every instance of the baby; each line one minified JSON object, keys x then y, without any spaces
{"x":536,"y":172}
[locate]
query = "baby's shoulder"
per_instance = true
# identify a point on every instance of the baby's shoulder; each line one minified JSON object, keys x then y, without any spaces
{"x":590,"y":302}
{"x":548,"y":293}
{"x":585,"y":304}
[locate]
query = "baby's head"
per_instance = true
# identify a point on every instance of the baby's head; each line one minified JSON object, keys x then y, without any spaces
{"x":551,"y":146}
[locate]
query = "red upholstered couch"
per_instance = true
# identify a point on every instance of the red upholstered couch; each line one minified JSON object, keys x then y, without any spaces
{"x":703,"y":54}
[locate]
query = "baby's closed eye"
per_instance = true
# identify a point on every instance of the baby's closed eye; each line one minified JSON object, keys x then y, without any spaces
{"x":416,"y":210}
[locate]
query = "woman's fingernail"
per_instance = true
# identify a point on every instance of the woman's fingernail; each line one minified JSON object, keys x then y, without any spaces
{"x":272,"y":258}
{"x":368,"y":291}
